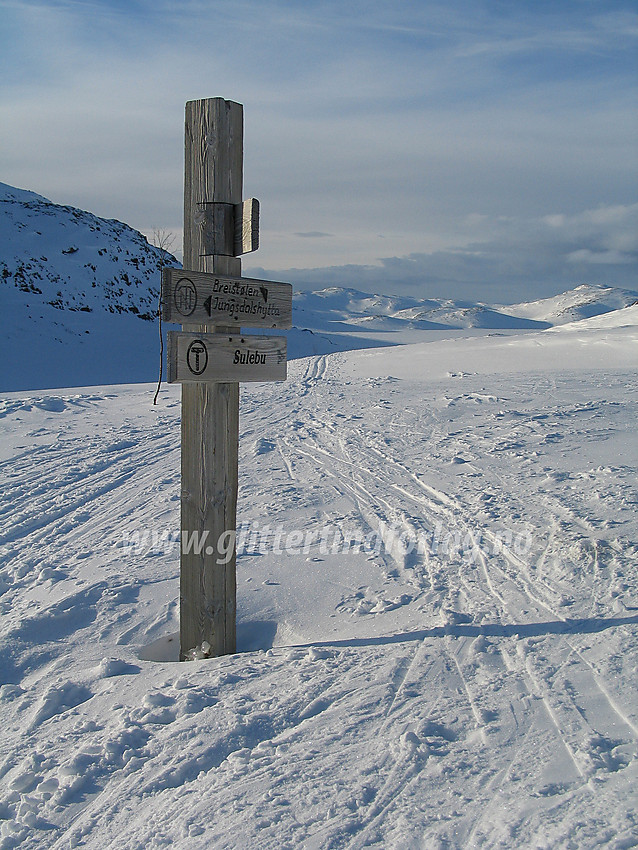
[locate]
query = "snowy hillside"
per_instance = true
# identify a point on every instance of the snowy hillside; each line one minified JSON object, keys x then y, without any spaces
{"x":71,"y":260}
{"x":437,"y":607}
{"x":583,"y":302}
{"x":79,"y":296}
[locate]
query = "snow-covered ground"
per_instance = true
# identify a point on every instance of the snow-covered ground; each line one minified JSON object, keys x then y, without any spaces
{"x":460,"y":673}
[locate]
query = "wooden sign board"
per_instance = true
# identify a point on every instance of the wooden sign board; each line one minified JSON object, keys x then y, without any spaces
{"x":197,"y":298}
{"x":221,"y":358}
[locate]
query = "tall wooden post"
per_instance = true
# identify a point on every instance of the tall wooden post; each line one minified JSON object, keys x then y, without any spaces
{"x":210,"y":411}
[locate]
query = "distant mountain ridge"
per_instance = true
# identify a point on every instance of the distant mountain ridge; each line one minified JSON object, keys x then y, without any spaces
{"x":75,"y":286}
{"x":582,"y":302}
{"x":385,"y":311}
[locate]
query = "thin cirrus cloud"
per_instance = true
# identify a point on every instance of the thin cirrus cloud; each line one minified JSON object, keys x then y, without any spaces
{"x":403,"y":147}
{"x":313,"y":234}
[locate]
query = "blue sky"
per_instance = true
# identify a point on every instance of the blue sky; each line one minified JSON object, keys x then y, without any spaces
{"x":480,"y":150}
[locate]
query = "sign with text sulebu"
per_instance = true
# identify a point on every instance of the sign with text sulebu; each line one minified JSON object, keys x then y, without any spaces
{"x":225,"y":358}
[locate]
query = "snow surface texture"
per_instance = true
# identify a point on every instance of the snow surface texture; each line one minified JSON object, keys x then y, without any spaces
{"x":75,"y":287}
{"x":475,"y":690}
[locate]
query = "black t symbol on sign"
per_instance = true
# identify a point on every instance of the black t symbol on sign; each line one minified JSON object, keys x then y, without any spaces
{"x":197,"y":357}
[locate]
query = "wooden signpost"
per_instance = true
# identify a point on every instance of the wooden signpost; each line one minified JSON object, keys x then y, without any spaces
{"x":209,"y":357}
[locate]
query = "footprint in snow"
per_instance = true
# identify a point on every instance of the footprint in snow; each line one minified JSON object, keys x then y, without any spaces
{"x":58,"y":699}
{"x":455,"y":618}
{"x":120,"y":445}
{"x":263,"y":446}
{"x":158,"y":708}
{"x":115,"y":667}
{"x":317,"y":706}
{"x":410,"y":747}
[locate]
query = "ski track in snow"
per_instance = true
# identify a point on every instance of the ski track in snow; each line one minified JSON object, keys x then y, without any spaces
{"x":386,"y":698}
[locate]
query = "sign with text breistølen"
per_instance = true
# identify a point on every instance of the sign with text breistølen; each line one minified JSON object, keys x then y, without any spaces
{"x":193,"y":298}
{"x":224,"y":358}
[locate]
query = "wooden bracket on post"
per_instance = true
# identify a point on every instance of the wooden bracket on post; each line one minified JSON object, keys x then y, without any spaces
{"x":230,"y":227}
{"x":247,"y":226}
{"x":218,"y":223}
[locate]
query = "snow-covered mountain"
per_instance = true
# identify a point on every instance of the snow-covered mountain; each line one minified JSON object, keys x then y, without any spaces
{"x":338,"y":309}
{"x":79,"y":296}
{"x":71,"y":260}
{"x":583,"y":302}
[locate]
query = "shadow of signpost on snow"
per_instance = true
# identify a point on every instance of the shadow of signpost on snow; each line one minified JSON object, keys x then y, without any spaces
{"x":557,"y":627}
{"x":258,"y":636}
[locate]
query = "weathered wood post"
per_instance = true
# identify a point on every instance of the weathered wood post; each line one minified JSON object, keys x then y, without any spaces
{"x":209,"y":357}
{"x":213,"y":175}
